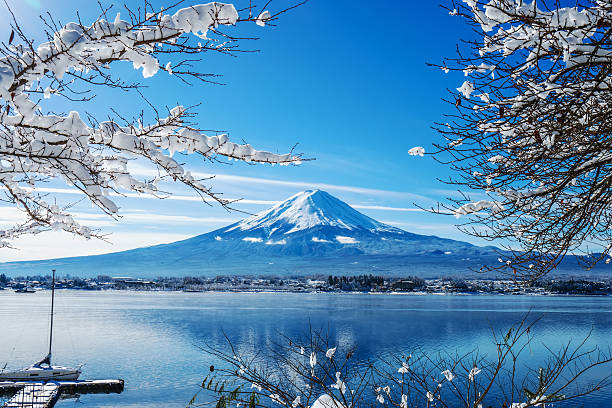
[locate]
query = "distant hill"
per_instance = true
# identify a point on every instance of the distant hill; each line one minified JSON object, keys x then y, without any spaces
{"x":312,"y":232}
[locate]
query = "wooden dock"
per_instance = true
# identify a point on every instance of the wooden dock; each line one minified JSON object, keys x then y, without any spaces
{"x":35,"y":395}
{"x":45,"y":395}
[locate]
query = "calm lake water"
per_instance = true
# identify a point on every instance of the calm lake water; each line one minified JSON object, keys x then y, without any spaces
{"x":151,"y":339}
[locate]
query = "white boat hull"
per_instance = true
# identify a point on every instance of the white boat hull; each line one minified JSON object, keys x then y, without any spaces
{"x":37,"y":373}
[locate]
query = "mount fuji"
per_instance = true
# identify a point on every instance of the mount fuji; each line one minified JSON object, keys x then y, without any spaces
{"x":315,"y":223}
{"x":311,"y":232}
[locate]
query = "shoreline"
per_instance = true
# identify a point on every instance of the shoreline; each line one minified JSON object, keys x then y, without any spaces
{"x":314,"y":292}
{"x":361,"y":284}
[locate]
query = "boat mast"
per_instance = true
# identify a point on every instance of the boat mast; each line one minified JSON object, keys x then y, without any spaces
{"x":52,"y":301}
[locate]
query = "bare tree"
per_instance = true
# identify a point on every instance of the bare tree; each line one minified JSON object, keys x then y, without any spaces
{"x":531,"y":130}
{"x":94,"y":156}
{"x":311,"y":372}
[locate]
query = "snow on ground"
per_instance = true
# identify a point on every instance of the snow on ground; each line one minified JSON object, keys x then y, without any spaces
{"x":252,"y":239}
{"x":346,"y":240}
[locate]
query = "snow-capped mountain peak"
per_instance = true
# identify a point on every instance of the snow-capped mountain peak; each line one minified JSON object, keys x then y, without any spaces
{"x":309,"y":233}
{"x":309,"y":209}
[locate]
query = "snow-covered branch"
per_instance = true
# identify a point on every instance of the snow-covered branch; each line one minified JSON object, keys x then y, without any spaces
{"x":532,"y":128}
{"x":94,"y":157}
{"x":313,"y":372}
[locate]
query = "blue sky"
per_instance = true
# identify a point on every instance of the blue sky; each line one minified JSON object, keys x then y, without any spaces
{"x":347,"y":80}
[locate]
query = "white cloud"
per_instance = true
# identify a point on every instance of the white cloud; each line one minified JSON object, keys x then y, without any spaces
{"x":140,"y":217}
{"x":59,"y":244}
{"x":74,"y":191}
{"x":281,"y":242}
{"x":317,"y":239}
{"x":12,"y":215}
{"x":150,"y":172}
{"x":194,"y":198}
{"x":310,"y":185}
{"x":385,"y":208}
{"x":33,"y":3}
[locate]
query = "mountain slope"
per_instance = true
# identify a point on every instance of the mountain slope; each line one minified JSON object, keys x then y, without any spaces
{"x":309,"y":209}
{"x":311,"y":232}
{"x":314,"y":223}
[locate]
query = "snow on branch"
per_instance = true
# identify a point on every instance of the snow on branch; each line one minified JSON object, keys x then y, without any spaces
{"x":94,"y":157}
{"x":314,"y":371}
{"x":537,"y":139}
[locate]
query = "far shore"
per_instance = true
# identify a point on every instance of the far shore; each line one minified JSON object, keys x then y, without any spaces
{"x":362,"y":284}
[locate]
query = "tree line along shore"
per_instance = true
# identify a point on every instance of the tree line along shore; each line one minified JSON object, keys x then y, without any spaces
{"x":319,"y":283}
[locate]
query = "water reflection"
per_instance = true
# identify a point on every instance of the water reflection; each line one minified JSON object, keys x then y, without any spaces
{"x":151,"y":339}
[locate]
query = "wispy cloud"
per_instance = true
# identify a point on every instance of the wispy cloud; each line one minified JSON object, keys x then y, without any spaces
{"x":141,"y":170}
{"x":59,"y":244}
{"x":171,"y":219}
{"x":386,"y":208}
{"x":12,"y":215}
{"x":241,"y":201}
{"x":151,"y":218}
{"x":74,"y":191}
{"x":33,"y":3}
{"x":312,"y":185}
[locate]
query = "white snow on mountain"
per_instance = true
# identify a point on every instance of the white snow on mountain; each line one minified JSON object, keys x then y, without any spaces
{"x":308,"y":209}
{"x":346,"y":240}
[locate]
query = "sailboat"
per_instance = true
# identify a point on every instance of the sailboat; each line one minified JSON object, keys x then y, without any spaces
{"x":43,"y":370}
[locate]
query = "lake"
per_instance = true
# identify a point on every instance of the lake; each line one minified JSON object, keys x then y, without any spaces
{"x":152,"y":339}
